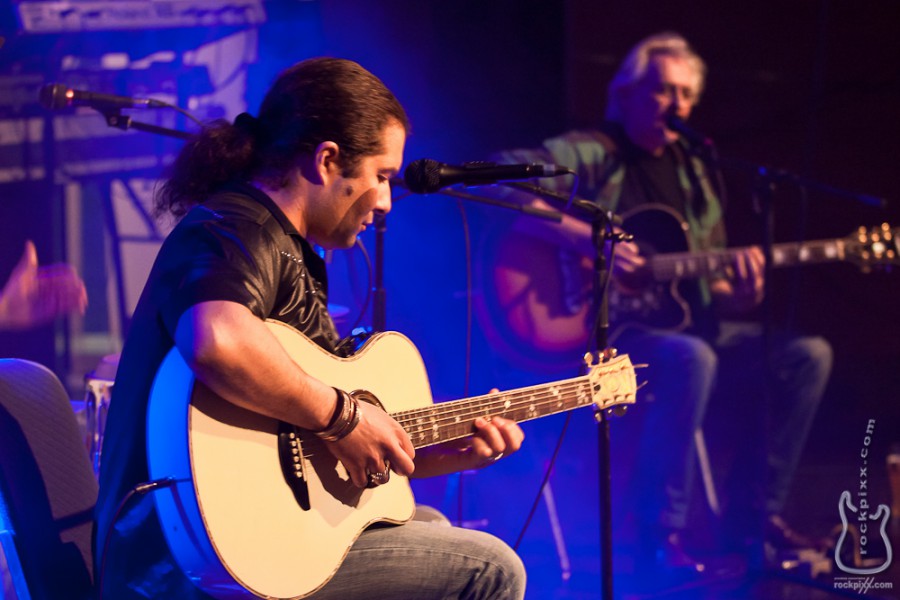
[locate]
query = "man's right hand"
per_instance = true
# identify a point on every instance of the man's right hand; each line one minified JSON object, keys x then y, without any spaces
{"x":627,"y":266}
{"x":377,"y":445}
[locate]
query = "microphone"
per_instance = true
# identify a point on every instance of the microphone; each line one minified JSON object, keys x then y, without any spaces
{"x":56,"y":96}
{"x":425,"y":176}
{"x":694,"y":137}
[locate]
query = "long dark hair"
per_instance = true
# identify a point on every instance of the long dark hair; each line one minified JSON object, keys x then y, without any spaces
{"x":316,"y":100}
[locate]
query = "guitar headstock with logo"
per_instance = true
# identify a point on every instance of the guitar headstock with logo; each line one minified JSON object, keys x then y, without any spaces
{"x":873,"y":247}
{"x":612,"y":381}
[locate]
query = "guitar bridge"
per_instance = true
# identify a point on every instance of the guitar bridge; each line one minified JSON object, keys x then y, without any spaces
{"x":290,"y":456}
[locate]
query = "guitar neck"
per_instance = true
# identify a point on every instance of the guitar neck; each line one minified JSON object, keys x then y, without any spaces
{"x":447,"y":421}
{"x":694,"y":265}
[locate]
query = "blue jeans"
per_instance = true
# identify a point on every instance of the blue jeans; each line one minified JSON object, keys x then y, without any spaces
{"x":418,"y":560}
{"x":427,"y":560}
{"x":685,"y":374}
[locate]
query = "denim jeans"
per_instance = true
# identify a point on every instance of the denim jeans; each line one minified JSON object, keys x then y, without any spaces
{"x":427,"y":560}
{"x":418,"y":560}
{"x":685,"y":374}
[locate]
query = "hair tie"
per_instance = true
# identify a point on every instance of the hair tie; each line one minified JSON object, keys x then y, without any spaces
{"x":248,"y":124}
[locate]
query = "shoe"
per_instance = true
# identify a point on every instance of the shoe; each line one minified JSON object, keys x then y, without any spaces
{"x":663,"y":562}
{"x":782,"y":537}
{"x":672,"y":556}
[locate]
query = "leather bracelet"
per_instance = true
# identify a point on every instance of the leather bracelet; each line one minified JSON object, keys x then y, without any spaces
{"x":353,"y":421}
{"x":345,"y":419}
{"x":339,"y":416}
{"x":338,"y":409}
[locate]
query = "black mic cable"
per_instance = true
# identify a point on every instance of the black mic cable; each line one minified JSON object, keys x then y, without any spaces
{"x":139,"y":489}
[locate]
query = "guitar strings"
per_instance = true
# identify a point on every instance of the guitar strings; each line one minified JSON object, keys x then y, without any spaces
{"x":449,"y":411}
{"x":443,"y":429}
{"x":541,"y":395}
{"x":810,"y":251}
{"x":454,"y":418}
{"x":460,"y":413}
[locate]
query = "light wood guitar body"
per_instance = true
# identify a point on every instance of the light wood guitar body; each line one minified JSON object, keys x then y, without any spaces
{"x":244,"y":516}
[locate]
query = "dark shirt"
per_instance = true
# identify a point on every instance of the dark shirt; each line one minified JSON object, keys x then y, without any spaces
{"x":621,"y":177}
{"x":654,"y":180}
{"x":239,"y":247}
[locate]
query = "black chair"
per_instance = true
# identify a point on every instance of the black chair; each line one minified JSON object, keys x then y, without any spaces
{"x":46,"y":485}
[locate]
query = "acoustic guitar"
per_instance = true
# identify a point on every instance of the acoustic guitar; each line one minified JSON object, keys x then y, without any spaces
{"x":538,"y":296}
{"x":262,"y":507}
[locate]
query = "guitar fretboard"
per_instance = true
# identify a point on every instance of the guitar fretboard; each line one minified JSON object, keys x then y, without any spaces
{"x":691,"y":265}
{"x":446,"y":421}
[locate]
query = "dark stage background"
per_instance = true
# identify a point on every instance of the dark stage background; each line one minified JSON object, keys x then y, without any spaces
{"x":809,"y":87}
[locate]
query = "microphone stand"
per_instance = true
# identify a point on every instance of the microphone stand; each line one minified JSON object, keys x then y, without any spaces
{"x":765,"y":181}
{"x":379,"y":300}
{"x":601,"y":223}
{"x":773,"y":176}
{"x":115,"y":118}
{"x":601,"y":232}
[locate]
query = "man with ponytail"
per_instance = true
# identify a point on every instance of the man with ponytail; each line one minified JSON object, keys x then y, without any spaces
{"x":253,"y":196}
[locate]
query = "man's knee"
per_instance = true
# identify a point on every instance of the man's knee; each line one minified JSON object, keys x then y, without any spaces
{"x":813,"y":355}
{"x":820,"y":353}
{"x":511,"y":575}
{"x":689,"y":354}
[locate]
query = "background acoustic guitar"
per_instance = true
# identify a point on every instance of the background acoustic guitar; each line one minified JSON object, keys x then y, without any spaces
{"x":536,"y":296}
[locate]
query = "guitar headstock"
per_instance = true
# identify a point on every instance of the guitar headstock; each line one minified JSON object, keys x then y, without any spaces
{"x":612,"y":380}
{"x":874,"y":246}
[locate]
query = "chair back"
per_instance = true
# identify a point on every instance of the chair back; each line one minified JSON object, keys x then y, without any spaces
{"x":46,"y":483}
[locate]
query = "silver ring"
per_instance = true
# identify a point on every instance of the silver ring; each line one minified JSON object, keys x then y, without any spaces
{"x":381,"y":477}
{"x":497,"y":457}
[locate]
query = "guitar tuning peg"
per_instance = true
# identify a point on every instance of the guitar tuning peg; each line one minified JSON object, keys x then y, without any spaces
{"x":603,"y":356}
{"x":617,"y":411}
{"x":588,"y":359}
